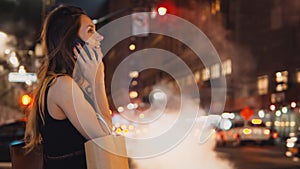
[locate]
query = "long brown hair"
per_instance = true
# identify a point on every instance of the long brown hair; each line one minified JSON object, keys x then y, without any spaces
{"x":60,"y":29}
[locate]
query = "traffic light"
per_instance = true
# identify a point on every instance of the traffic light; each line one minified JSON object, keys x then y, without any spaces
{"x":166,"y":7}
{"x":26,"y":100}
{"x":162,"y":10}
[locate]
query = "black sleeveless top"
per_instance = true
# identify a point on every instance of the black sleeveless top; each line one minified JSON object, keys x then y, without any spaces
{"x":63,"y":144}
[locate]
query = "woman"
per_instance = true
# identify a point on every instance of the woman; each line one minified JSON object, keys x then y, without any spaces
{"x":61,"y":118}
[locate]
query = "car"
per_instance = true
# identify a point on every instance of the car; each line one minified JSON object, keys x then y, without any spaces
{"x":242,"y":132}
{"x":10,"y":133}
{"x":292,"y":145}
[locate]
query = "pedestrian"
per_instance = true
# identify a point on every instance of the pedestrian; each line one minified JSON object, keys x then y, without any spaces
{"x":62,"y":118}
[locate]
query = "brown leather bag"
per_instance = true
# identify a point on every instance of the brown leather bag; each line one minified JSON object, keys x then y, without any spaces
{"x":21,"y":159}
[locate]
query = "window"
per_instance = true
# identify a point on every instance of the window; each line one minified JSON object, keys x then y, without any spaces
{"x":298,"y":76}
{"x":205,"y":74}
{"x":281,"y":80}
{"x":226,"y":67}
{"x":263,"y":85}
{"x":215,"y":71}
{"x":282,"y":77}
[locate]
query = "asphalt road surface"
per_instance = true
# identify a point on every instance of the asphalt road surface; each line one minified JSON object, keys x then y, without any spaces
{"x":258,"y":157}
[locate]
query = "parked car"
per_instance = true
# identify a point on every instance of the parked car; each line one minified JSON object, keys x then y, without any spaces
{"x":10,"y":134}
{"x":243,"y":132}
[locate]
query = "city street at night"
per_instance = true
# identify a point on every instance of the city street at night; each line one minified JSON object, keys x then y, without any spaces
{"x":183,"y":84}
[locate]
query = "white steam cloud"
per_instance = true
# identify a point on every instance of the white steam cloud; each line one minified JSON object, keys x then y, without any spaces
{"x":192,"y":152}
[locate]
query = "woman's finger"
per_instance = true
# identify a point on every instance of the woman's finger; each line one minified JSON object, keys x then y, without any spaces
{"x":77,"y":56}
{"x":82,"y":53}
{"x":91,"y":53}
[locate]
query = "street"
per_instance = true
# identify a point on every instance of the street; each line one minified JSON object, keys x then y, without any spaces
{"x":257,"y":157}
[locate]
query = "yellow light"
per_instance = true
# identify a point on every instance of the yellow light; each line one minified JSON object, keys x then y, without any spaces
{"x":26,"y":99}
{"x":134,"y":83}
{"x":118,"y":130}
{"x":277,"y":123}
{"x":267,"y":132}
{"x":293,"y":124}
{"x":247,"y":131}
{"x":110,"y":112}
{"x":256,"y":121}
{"x":132,"y":46}
{"x":130,"y":127}
{"x":133,"y":94}
{"x":268,"y":123}
{"x":218,"y":5}
{"x":134,"y":74}
{"x":141,"y":115}
{"x":125,"y":131}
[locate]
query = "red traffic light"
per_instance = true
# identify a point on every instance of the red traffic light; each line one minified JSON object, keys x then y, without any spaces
{"x":162,"y":10}
{"x":166,"y":7}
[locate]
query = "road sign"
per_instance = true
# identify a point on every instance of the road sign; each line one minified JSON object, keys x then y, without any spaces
{"x":246,"y":113}
{"x":22,"y":77}
{"x":140,"y":24}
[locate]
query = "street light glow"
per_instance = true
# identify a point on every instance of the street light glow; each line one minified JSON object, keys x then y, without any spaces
{"x":272,"y":107}
{"x":293,"y":104}
{"x":132,"y":47}
{"x":13,"y":60}
{"x":284,"y":110}
{"x":278,"y":113}
{"x":261,"y":114}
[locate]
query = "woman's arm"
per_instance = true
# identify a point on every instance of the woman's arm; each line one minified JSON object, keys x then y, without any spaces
{"x":92,"y":69}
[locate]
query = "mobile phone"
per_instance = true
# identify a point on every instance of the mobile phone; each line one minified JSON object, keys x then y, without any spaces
{"x":76,"y":41}
{"x":83,"y":44}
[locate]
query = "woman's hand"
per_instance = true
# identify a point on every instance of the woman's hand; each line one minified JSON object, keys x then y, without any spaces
{"x":90,"y":63}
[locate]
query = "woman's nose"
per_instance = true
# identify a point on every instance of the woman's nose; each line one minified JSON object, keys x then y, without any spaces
{"x":98,"y":37}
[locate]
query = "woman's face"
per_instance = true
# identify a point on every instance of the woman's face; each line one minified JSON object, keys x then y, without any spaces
{"x":87,"y":32}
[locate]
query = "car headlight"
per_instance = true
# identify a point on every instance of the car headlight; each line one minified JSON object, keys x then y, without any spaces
{"x":290,"y":144}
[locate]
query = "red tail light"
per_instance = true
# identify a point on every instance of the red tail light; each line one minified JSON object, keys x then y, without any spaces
{"x":275,"y":135}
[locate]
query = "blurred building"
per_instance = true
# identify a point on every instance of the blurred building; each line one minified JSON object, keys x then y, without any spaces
{"x":258,"y":44}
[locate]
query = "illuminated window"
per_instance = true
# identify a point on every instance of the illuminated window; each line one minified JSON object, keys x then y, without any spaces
{"x":226,"y":67}
{"x":282,"y":77}
{"x":205,"y":74}
{"x":215,"y":71}
{"x":298,"y":76}
{"x":282,"y":80}
{"x":263,"y":84}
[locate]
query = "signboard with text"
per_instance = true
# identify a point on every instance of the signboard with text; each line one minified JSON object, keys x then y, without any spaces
{"x":22,"y":77}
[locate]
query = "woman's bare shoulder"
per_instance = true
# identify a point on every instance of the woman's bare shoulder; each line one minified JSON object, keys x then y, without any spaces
{"x":63,"y":86}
